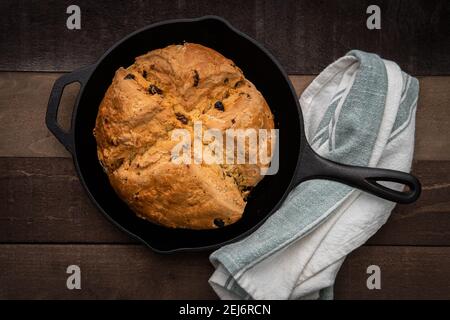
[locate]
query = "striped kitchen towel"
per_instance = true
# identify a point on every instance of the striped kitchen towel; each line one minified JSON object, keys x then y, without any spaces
{"x":361,"y":111}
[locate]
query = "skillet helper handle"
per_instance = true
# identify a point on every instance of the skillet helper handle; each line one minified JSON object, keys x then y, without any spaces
{"x":51,"y":118}
{"x":313,"y":166}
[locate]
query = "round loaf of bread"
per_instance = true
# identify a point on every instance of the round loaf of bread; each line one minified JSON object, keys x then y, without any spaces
{"x":168,"y":89}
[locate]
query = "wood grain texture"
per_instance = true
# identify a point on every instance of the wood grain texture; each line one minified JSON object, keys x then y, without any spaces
{"x":134,"y":272}
{"x":47,"y":221}
{"x":42,"y":201}
{"x":304,"y":35}
{"x":107,"y":271}
{"x":406,"y":273}
{"x":23,"y":104}
{"x":433,"y":119}
{"x":425,"y":222}
{"x":24,"y":97}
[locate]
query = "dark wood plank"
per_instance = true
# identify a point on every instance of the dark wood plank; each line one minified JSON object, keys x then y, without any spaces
{"x":107,"y":271}
{"x":41,"y":200}
{"x":433,"y":119}
{"x":23,"y":100}
{"x":305,"y":36}
{"x":406,"y":273}
{"x":24,"y":97}
{"x":134,"y":272}
{"x":427,"y":220}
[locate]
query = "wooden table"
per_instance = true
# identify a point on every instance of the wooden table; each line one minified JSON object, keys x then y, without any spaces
{"x":47,"y":222}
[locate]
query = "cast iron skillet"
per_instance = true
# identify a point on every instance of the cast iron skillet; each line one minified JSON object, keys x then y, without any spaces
{"x":298,"y":162}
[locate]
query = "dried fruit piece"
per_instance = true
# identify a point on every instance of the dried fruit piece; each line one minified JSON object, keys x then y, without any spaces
{"x":196,"y":78}
{"x":129,"y":76}
{"x":144,"y":74}
{"x":219,"y":223}
{"x":238,"y":84}
{"x":152,"y":89}
{"x":182,"y":118}
{"x":225,"y":80}
{"x":117,"y":164}
{"x":219,"y":106}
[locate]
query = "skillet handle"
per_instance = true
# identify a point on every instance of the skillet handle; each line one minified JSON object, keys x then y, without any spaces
{"x":313,"y":166}
{"x":81,"y":76}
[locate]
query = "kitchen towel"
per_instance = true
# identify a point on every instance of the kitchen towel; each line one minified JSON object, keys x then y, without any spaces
{"x":361,"y":111}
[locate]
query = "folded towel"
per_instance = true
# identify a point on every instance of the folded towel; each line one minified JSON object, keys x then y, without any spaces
{"x":361,"y":111}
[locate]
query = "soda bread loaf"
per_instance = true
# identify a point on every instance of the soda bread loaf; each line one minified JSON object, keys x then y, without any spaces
{"x":168,"y":89}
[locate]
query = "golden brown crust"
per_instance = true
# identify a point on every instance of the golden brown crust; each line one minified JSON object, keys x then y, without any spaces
{"x":167,"y":89}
